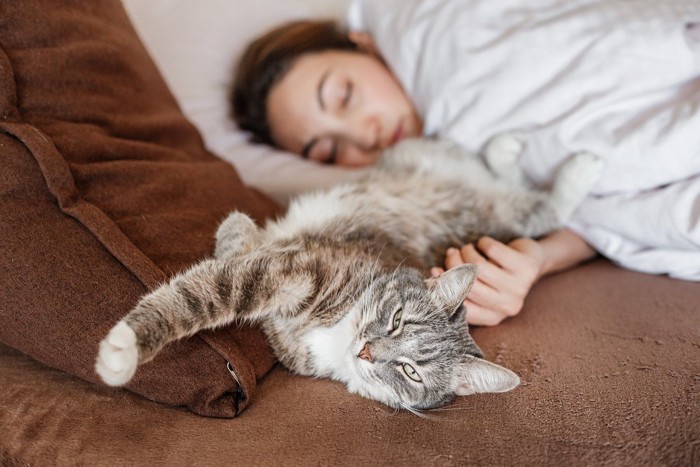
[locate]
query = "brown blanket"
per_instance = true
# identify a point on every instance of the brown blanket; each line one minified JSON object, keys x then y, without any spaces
{"x":106,"y":189}
{"x":610,"y":362}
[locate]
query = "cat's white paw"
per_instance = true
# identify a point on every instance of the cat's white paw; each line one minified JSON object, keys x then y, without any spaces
{"x":510,"y":144}
{"x":502,"y":154}
{"x":118,"y":357}
{"x":575,"y":180}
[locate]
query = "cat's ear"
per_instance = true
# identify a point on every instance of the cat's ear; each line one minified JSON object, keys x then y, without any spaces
{"x":452,"y":286}
{"x":477,"y":375}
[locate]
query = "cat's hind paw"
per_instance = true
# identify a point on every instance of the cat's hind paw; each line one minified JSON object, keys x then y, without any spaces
{"x":581,"y":172}
{"x":575,"y":180}
{"x":502,"y":153}
{"x":118,"y":357}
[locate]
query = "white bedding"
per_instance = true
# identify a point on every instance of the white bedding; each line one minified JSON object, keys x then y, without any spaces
{"x":619,"y":78}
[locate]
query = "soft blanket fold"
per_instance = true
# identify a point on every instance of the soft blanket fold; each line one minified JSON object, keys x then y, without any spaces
{"x":619,"y":78}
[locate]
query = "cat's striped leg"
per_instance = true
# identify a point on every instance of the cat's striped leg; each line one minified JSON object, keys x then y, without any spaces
{"x":194,"y":300}
{"x":211,"y":294}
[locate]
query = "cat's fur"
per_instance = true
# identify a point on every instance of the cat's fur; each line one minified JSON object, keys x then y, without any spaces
{"x":338,"y":285}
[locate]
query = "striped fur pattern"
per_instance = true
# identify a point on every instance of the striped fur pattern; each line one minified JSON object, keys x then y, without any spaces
{"x":338,"y":284}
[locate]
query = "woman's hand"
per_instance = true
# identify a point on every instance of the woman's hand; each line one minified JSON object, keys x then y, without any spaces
{"x":506,"y":274}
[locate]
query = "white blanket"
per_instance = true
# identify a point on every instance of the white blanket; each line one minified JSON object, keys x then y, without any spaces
{"x":619,"y":78}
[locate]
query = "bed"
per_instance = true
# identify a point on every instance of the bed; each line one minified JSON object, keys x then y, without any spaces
{"x":114,"y":177}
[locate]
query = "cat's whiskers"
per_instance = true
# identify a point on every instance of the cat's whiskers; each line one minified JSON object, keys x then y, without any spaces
{"x":448,"y":409}
{"x":407,"y":407}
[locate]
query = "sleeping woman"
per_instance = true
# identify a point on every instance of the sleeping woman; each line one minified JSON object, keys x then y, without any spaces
{"x":618,"y":79}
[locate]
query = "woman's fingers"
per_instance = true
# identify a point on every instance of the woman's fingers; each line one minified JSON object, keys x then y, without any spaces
{"x":434,"y":272}
{"x":478,"y":315}
{"x":489,"y":272}
{"x":489,"y":291}
{"x":506,"y":273}
{"x":453,"y":258}
{"x":501,"y":301}
{"x":500,"y":253}
{"x":521,"y":256}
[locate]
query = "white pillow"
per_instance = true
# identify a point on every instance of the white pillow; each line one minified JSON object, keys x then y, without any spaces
{"x":196,"y":45}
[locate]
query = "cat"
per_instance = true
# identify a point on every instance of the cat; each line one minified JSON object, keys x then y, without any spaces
{"x":337,"y":284}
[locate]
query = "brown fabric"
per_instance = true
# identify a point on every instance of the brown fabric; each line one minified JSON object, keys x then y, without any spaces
{"x":105,"y":191}
{"x":610,"y":361}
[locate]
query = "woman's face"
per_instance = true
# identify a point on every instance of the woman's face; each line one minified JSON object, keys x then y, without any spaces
{"x":340,"y":107}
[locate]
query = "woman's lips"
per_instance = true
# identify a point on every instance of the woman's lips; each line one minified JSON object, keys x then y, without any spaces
{"x":398,"y":134}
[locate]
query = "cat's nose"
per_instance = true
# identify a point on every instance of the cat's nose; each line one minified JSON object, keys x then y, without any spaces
{"x":365,"y":354}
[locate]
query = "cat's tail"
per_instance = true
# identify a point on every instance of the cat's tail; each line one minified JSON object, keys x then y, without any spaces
{"x":191,"y":301}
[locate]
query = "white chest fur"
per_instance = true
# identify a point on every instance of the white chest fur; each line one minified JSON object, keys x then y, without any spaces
{"x":330,"y":348}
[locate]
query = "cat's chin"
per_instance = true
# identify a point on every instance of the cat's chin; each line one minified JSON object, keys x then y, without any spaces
{"x":360,"y":385}
{"x":368,"y":391}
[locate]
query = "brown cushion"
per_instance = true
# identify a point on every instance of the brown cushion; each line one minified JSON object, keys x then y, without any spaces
{"x":105,"y":191}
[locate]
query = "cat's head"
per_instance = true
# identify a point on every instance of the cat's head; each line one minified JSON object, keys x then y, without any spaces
{"x":412,"y":347}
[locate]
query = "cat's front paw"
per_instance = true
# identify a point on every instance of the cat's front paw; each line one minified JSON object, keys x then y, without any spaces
{"x":118,"y":357}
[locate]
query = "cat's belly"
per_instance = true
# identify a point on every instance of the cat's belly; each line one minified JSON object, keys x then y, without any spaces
{"x":312,"y":212}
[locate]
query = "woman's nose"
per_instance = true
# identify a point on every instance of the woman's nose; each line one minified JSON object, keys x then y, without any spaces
{"x":363,"y":132}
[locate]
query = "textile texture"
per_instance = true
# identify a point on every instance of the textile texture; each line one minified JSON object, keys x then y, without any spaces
{"x":106,"y":191}
{"x":610,"y":363}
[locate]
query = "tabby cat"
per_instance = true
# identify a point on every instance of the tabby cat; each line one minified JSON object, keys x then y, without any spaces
{"x":338,"y":283}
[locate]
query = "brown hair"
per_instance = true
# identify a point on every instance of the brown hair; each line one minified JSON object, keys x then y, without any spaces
{"x":266,"y":61}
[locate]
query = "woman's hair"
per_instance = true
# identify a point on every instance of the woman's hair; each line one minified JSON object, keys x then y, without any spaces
{"x":266,"y":61}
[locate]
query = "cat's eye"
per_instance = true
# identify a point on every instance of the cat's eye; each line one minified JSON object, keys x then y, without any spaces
{"x":411,"y":372}
{"x":396,"y":319}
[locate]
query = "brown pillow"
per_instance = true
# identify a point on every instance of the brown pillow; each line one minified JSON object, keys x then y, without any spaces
{"x":106,"y":190}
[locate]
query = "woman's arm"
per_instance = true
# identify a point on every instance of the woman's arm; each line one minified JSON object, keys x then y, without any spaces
{"x":507,"y":272}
